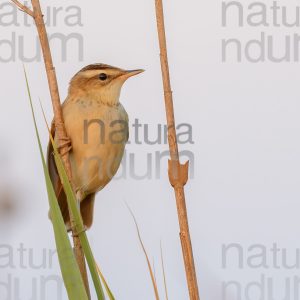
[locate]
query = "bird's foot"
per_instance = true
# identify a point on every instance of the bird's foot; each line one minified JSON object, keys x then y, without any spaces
{"x":65,"y":146}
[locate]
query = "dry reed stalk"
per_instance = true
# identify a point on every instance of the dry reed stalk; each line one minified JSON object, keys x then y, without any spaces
{"x":178,"y":173}
{"x":151,"y":271}
{"x":37,"y":15}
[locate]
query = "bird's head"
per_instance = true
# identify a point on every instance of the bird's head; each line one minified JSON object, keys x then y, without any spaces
{"x":100,"y":82}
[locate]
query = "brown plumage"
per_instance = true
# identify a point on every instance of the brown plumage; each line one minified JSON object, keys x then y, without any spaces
{"x":97,"y":125}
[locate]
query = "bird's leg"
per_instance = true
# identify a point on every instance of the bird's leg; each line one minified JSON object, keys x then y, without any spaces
{"x":79,"y":197}
{"x":65,"y":146}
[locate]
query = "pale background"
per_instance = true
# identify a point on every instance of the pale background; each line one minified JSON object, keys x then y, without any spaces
{"x":245,"y":120}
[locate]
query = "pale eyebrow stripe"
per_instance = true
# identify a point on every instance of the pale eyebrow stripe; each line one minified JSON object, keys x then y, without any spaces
{"x":94,"y":73}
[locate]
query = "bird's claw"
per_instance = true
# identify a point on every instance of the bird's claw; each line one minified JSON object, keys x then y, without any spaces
{"x":65,"y":146}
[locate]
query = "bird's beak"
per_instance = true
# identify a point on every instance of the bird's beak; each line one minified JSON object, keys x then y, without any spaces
{"x":130,"y":73}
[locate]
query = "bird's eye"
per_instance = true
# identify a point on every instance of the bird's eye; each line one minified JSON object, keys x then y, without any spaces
{"x":102,"y":76}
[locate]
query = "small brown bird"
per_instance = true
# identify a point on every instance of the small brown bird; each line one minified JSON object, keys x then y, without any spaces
{"x":97,"y":125}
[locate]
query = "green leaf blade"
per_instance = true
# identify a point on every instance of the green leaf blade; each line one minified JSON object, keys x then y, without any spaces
{"x":69,"y":268}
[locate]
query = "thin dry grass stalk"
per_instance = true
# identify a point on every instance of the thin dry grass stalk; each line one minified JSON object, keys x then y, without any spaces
{"x":37,"y":15}
{"x":178,"y":173}
{"x":151,"y":272}
{"x":164,"y":273}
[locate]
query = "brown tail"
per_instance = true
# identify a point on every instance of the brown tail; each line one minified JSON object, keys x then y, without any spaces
{"x":87,"y":210}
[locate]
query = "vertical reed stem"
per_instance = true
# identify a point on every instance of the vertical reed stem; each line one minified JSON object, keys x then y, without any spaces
{"x":60,"y":132}
{"x":178,"y":173}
